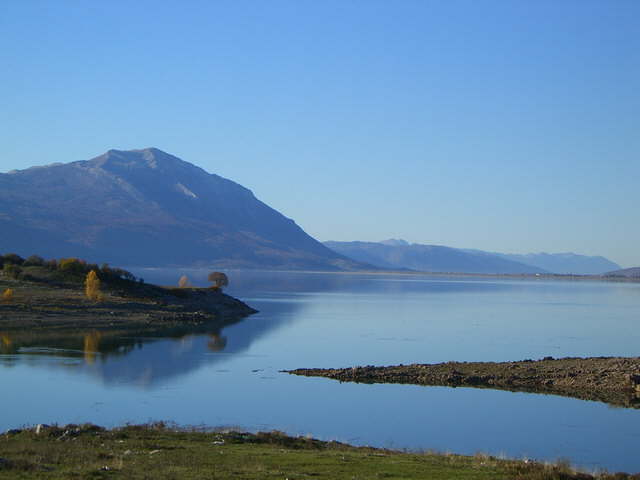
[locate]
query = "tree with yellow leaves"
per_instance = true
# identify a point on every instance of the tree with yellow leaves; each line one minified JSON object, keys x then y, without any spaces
{"x":7,"y":296}
{"x":92,"y":286}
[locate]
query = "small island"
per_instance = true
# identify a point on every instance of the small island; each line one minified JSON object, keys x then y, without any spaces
{"x":612,"y":380}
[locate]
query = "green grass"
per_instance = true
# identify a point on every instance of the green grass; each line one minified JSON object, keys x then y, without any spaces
{"x":158,"y":452}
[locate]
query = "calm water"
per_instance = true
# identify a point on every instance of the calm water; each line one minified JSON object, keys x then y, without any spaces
{"x":231,"y":377}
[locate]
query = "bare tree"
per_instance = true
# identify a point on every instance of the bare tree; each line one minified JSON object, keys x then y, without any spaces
{"x":218,"y":279}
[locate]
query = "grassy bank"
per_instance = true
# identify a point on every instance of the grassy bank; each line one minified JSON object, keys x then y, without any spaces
{"x":159,"y":452}
{"x":51,"y":296}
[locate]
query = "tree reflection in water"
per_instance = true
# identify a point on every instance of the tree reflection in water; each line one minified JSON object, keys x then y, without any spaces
{"x":217,"y":342}
{"x":91,"y":346}
{"x":142,"y":357}
{"x":6,"y":344}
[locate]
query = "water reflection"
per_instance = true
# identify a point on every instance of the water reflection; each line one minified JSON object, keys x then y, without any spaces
{"x":91,"y":346}
{"x":140,"y":358}
{"x":229,"y":374}
{"x":247,"y":283}
{"x":6,"y":344}
{"x":117,"y":359}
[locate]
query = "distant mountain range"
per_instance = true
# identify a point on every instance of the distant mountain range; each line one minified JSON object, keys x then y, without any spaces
{"x":633,"y":272}
{"x":565,"y":262}
{"x":428,"y":258}
{"x":400,"y":254}
{"x":149,"y":208}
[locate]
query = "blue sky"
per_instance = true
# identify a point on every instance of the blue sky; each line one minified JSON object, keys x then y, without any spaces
{"x":501,"y":125}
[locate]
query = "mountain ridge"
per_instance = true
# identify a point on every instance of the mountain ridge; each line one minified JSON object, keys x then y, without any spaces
{"x":149,"y":208}
{"x":633,"y":272}
{"x":428,"y":258}
{"x":398,"y":253}
{"x":562,"y":262}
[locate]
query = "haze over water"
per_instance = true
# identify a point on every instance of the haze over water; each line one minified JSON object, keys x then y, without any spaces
{"x":233,"y":377}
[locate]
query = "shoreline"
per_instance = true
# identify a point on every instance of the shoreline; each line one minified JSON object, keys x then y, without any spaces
{"x":513,"y":276}
{"x":611,"y":380}
{"x":40,"y":306}
{"x":161,"y":451}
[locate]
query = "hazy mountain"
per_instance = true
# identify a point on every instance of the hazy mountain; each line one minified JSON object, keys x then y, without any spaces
{"x":625,"y":272}
{"x":565,"y":262}
{"x":395,"y":242}
{"x":562,"y":263}
{"x":146,"y":207}
{"x":428,"y":258}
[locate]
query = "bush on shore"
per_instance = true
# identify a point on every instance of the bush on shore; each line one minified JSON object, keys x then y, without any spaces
{"x":70,"y":269}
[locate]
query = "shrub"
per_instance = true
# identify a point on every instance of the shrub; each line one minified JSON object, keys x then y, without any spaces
{"x":123,"y":274}
{"x":11,"y":270}
{"x":72,"y":265}
{"x":109,"y":273}
{"x":27,"y":277}
{"x":92,"y":286}
{"x":12,"y":258}
{"x":7,"y":296}
{"x":218,"y":279}
{"x":34,"y":261}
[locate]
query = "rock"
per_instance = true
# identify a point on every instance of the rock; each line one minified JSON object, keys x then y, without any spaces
{"x":41,"y":428}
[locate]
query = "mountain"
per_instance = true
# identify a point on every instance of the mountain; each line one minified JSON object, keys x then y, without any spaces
{"x":149,"y":208}
{"x":395,"y":242}
{"x":633,"y":272}
{"x":399,"y":254}
{"x":565,"y":262}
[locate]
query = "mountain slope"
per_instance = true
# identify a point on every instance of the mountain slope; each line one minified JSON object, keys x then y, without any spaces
{"x":565,"y":262}
{"x":428,"y":258}
{"x":146,"y":207}
{"x":633,"y":272}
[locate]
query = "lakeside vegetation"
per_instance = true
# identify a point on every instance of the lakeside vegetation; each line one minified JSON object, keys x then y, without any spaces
{"x":60,"y":303}
{"x":159,"y":451}
{"x":72,"y":295}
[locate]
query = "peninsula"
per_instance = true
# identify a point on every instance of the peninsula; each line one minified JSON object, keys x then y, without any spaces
{"x":612,"y":380}
{"x":51,"y":295}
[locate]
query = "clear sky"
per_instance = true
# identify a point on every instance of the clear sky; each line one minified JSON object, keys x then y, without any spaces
{"x":508,"y":125}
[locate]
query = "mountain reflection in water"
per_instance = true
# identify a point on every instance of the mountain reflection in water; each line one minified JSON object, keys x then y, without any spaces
{"x":342,"y":320}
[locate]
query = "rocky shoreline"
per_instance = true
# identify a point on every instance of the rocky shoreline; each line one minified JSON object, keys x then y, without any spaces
{"x":612,"y":380}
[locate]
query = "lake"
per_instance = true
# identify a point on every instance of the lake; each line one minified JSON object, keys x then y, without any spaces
{"x":232,"y":377}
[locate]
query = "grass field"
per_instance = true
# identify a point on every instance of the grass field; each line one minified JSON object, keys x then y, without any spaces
{"x":159,"y":452}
